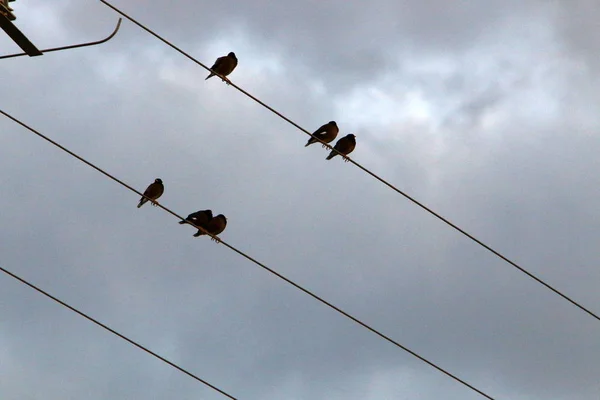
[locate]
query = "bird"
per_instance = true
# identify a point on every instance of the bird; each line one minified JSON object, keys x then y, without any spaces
{"x":215,"y":226}
{"x":345,"y":146}
{"x":198,"y":218}
{"x":224,"y":66}
{"x":325,"y":133}
{"x":153,"y":192}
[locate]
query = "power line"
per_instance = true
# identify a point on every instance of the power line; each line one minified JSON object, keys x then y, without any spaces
{"x":394,"y":188}
{"x":294,"y":284}
{"x":131,"y":341}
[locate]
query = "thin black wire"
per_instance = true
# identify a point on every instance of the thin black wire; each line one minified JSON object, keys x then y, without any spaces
{"x":394,"y":188}
{"x":136,"y":344}
{"x":297,"y":286}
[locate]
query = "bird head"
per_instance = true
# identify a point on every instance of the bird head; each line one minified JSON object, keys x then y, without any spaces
{"x":231,"y":54}
{"x":208,"y":213}
{"x":158,"y":180}
{"x":332,"y":123}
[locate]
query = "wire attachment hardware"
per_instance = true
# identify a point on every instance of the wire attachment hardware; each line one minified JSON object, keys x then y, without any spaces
{"x":32,"y":51}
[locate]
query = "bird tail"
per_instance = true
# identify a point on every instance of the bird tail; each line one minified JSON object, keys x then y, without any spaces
{"x":182,"y":222}
{"x":142,"y":201}
{"x":210,"y":75}
{"x":331,"y":155}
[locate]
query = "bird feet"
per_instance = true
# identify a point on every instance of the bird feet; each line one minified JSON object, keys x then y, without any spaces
{"x":346,"y":159}
{"x":216,"y":239}
{"x":154,"y":203}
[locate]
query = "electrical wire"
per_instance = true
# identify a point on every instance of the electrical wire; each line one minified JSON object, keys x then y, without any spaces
{"x":297,"y":286}
{"x":114,"y":332}
{"x":394,"y":188}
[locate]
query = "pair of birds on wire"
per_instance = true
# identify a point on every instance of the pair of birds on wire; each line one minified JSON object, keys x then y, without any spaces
{"x":327,"y":133}
{"x":225,"y":65}
{"x":202,"y":219}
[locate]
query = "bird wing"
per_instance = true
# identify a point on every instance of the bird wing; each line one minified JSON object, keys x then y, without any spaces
{"x":220,"y":61}
{"x":322,"y":129}
{"x":202,"y":217}
{"x":150,"y":190}
{"x":154,"y":191}
{"x":344,"y":145}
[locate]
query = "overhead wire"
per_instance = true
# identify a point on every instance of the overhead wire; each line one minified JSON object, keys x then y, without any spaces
{"x":253,"y":260}
{"x":380,"y":179}
{"x":114,"y":332}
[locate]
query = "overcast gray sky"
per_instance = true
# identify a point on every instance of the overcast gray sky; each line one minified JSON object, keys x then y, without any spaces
{"x":487,"y":112}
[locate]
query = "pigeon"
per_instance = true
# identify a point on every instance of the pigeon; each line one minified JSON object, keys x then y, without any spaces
{"x":198,"y":218}
{"x":326,"y":133}
{"x":215,"y":226}
{"x":224,"y":66}
{"x":345,"y":146}
{"x":153,"y":192}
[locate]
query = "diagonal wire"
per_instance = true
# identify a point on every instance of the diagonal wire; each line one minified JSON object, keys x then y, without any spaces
{"x":131,"y":341}
{"x":394,"y":188}
{"x":246,"y":256}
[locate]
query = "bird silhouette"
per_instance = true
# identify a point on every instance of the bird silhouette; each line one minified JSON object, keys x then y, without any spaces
{"x":325,"y":133}
{"x":224,"y":66}
{"x":215,"y":226}
{"x":152,"y":192}
{"x":198,"y":218}
{"x":345,"y":146}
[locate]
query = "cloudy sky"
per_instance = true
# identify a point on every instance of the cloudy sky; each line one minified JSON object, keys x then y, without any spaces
{"x":487,"y":112}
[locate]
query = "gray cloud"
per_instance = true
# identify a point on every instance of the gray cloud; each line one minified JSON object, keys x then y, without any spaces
{"x":486,"y":114}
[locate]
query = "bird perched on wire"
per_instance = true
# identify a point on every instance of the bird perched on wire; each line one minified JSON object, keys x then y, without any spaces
{"x":325,"y":133}
{"x":224,"y":66}
{"x":345,"y":146}
{"x":198,"y":218}
{"x":215,"y":226}
{"x":153,"y":192}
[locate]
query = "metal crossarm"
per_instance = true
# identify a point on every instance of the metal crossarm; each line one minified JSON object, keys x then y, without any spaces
{"x":19,"y":38}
